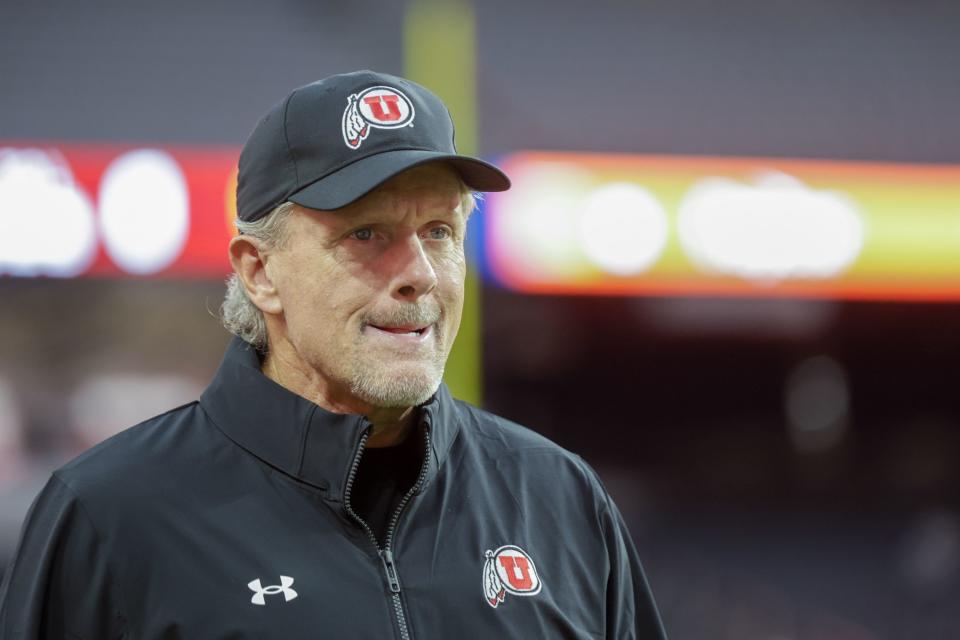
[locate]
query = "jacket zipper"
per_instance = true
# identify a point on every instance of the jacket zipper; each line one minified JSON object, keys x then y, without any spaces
{"x":385,"y":552}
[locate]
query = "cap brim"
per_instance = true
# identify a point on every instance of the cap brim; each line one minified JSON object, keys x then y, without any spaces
{"x":355,"y":180}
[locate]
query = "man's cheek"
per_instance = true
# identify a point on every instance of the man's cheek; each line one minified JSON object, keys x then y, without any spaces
{"x":453,"y":269}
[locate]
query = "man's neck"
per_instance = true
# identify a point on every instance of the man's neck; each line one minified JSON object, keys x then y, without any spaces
{"x":390,"y":425}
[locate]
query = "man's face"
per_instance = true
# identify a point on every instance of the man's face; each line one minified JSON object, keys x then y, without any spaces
{"x":372,"y":293}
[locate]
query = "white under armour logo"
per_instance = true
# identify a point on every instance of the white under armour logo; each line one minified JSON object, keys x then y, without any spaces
{"x":259,"y":591}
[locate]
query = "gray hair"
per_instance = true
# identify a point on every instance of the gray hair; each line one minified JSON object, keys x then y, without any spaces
{"x":238,"y":314}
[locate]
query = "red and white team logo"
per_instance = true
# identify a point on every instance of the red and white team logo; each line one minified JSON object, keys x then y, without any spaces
{"x":509,"y":569}
{"x":377,"y":107}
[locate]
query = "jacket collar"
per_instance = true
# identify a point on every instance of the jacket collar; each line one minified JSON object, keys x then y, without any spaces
{"x":299,"y":437}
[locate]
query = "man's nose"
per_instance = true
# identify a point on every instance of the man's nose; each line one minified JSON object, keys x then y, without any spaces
{"x":414,"y":276}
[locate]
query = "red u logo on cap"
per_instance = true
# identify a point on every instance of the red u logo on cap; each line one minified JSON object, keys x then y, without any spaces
{"x":378,"y":107}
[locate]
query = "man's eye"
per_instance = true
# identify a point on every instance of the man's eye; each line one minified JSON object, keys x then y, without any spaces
{"x":439,"y":233}
{"x":362,"y":234}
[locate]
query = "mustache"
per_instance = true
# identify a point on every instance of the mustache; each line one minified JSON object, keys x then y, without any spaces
{"x":410,"y":314}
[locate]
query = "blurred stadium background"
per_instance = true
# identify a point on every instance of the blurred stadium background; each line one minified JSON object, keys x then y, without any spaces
{"x":728,"y":274}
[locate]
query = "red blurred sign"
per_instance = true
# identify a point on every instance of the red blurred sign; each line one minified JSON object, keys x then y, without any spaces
{"x":117,"y":195}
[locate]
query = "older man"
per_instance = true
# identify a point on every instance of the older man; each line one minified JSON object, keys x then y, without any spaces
{"x":326,"y":484}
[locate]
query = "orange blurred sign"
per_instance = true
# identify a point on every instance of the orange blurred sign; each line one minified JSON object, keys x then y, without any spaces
{"x":659,"y":225}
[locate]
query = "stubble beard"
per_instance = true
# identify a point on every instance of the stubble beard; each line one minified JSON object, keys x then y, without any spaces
{"x":400,"y":383}
{"x":398,"y":386}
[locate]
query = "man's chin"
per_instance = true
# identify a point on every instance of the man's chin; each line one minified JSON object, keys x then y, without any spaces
{"x":400,"y":387}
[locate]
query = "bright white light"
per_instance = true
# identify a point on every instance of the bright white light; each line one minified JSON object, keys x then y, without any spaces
{"x":623,"y":228}
{"x":535,"y":228}
{"x":774,"y":230}
{"x":46,"y":221}
{"x":144,"y":211}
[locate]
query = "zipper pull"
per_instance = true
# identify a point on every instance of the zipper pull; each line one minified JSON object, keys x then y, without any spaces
{"x":391,"y":570}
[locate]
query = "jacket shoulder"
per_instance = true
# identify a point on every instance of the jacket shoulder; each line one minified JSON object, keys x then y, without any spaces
{"x":505,"y":458}
{"x":503,"y":439}
{"x":498,"y":431}
{"x":153,"y":446}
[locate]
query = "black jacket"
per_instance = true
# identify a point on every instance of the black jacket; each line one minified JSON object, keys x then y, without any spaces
{"x":229,"y":518}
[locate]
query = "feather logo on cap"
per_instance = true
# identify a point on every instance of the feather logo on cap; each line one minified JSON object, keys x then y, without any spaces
{"x":377,"y":107}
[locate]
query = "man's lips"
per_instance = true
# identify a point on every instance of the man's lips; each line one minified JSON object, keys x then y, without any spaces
{"x":411,"y":329}
{"x":409,"y":334}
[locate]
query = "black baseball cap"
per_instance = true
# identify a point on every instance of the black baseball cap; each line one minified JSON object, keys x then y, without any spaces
{"x":333,"y":141}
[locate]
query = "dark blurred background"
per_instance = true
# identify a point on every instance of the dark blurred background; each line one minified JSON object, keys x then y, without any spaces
{"x":787,"y":466}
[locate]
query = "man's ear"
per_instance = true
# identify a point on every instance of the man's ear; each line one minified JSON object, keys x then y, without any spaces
{"x":249,"y":260}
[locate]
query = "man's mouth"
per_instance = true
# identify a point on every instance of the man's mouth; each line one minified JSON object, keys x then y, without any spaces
{"x":409,"y":334}
{"x":411,"y":330}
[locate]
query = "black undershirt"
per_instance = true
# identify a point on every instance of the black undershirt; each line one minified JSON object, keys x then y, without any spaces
{"x":383,"y":478}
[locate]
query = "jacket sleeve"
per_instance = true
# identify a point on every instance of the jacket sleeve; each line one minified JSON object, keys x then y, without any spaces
{"x":631,"y":610}
{"x":58,"y":584}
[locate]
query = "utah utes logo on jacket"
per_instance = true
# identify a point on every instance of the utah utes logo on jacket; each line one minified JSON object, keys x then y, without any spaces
{"x":377,"y":107}
{"x":509,"y":569}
